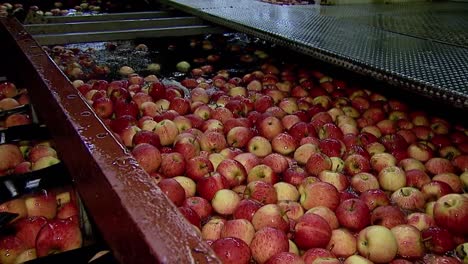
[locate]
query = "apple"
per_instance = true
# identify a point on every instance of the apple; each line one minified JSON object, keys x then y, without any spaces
{"x":355,"y":164}
{"x":284,"y":144}
{"x":200,"y":205}
{"x":239,"y":137}
{"x":451,"y":212}
{"x":439,"y":165}
{"x":17,"y":119}
{"x":416,"y":178}
{"x":191,"y":216}
{"x":28,"y":228}
{"x":391,"y":178}
{"x":312,"y":231}
{"x":239,"y":228}
{"x":337,"y":179}
{"x":374,"y":198}
{"x":15,"y":206}
{"x":10,"y":248}
{"x":380,"y":161}
{"x":327,"y":214}
{"x":420,"y":151}
{"x":197,"y":167}
{"x":262,"y":172}
{"x":29,"y":254}
{"x":210,"y":184}
{"x":353,"y":214}
{"x":41,"y":204}
{"x":173,"y":190}
{"x":270,"y":215}
{"x":277,"y":162}
{"x":44,"y":162}
{"x":246,"y":209}
{"x":451,"y":179}
{"x":318,"y":194}
{"x":421,"y":221}
{"x":388,"y":216}
{"x":268,"y":242}
{"x":319,"y":255}
{"x":377,"y":243}
{"x":293,"y":210}
{"x":286,"y":191}
{"x":212,"y":141}
{"x":364,"y":181}
{"x":172,"y":164}
{"x":58,"y":235}
{"x":304,"y":152}
{"x":67,"y":210}
{"x":356,"y":259}
{"x":269,"y":127}
{"x":410,"y":244}
{"x":438,"y":240}
{"x":148,"y":156}
{"x":262,"y":192}
{"x":231,"y":250}
{"x":294,"y":175}
{"x":39,"y":151}
{"x":435,"y":189}
{"x":8,"y":89}
{"x":318,"y":162}
{"x":233,"y":171}
{"x":167,"y":131}
{"x":285,"y":258}
{"x":342,"y":243}
{"x":10,"y":156}
{"x":248,"y":160}
{"x":225,"y":201}
{"x":409,"y":198}
{"x":212,"y":229}
{"x":212,"y":125}
{"x":187,"y":184}
{"x":144,"y":136}
{"x":259,"y":146}
{"x":103,"y":107}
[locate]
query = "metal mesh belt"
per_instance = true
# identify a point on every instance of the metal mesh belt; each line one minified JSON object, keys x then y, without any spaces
{"x":421,"y":47}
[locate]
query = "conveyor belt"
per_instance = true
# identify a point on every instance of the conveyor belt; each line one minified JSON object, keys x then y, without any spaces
{"x":119,"y":26}
{"x":421,"y":47}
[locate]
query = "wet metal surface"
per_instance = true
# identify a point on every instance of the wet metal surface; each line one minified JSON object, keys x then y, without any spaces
{"x":420,"y":47}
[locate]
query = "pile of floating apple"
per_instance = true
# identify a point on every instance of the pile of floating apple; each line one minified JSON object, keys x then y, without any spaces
{"x":26,"y":157}
{"x":288,"y":165}
{"x":11,"y":98}
{"x":47,"y":223}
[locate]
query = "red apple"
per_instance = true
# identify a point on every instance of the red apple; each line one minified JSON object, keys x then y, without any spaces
{"x":318,"y":194}
{"x":451,"y":212}
{"x":270,"y":215}
{"x":409,"y":198}
{"x":268,"y":242}
{"x":173,"y":190}
{"x":210,"y":184}
{"x":438,"y":240}
{"x":197,"y":167}
{"x":246,"y":209}
{"x":388,"y":216}
{"x":262,"y":192}
{"x":231,"y":250}
{"x":58,"y":235}
{"x":312,"y":231}
{"x":410,"y":244}
{"x":233,"y":171}
{"x":353,"y":214}
{"x":28,"y":228}
{"x":148,"y":156}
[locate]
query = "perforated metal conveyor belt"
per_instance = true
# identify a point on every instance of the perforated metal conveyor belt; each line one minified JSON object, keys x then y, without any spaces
{"x":421,"y":47}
